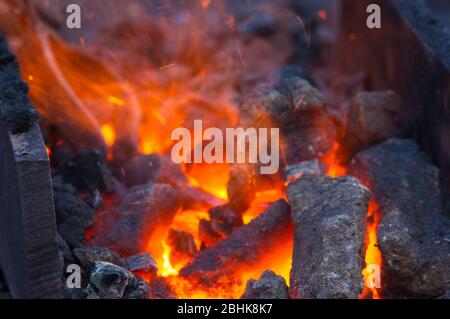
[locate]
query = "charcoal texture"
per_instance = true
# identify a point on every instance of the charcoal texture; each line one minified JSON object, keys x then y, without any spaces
{"x":293,"y":172}
{"x":413,"y":234}
{"x":269,"y":286}
{"x":143,"y":262}
{"x":225,"y":220}
{"x":182,"y":243}
{"x":372,"y":118}
{"x":308,"y":131}
{"x":73,"y":216}
{"x":88,"y":171}
{"x":108,"y":281}
{"x":143,"y":169}
{"x":16,"y":110}
{"x":244,"y":247}
{"x":145,"y":210}
{"x":88,"y":257}
{"x":329,"y":217}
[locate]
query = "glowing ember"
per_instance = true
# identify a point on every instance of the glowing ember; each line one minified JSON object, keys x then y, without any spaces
{"x":373,"y":253}
{"x":108,"y":134}
{"x":334,"y":168}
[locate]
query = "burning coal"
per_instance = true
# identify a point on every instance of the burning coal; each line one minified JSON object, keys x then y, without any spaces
{"x":197,"y":152}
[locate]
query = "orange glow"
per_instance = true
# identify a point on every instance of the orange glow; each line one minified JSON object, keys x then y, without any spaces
{"x":211,"y":178}
{"x":373,"y":253}
{"x":278,"y":259}
{"x":334,"y":169}
{"x":322,"y":14}
{"x":108,"y":134}
{"x":261,"y":203}
{"x":116,"y":101}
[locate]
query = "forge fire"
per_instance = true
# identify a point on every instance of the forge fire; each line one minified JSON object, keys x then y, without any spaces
{"x":163,"y":149}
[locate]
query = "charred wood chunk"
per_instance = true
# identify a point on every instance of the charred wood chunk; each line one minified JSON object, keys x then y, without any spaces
{"x":372,"y":118}
{"x":109,"y":281}
{"x":245,"y":247}
{"x":269,"y":286}
{"x":88,"y":171}
{"x":413,"y":233}
{"x":145,"y":212}
{"x":182,"y":243}
{"x":329,"y":217}
{"x":16,"y":110}
{"x":224,"y":220}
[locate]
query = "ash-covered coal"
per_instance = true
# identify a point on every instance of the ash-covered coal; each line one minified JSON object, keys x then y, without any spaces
{"x":156,"y":168}
{"x":329,"y":217}
{"x":300,"y":111}
{"x":73,"y":215}
{"x":413,"y":233}
{"x":268,"y":286}
{"x":373,"y":117}
{"x":108,"y":281}
{"x":145,"y":210}
{"x":16,"y":111}
{"x":296,"y":171}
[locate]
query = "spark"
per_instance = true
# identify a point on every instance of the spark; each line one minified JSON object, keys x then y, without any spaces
{"x":116,"y":101}
{"x":167,"y":66}
{"x":306,"y":30}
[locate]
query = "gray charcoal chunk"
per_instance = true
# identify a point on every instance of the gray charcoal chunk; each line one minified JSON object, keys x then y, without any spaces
{"x":109,"y":281}
{"x":307,"y":129}
{"x":141,"y":262}
{"x":269,"y":286}
{"x":414,"y":232}
{"x":146,"y":209}
{"x":73,"y":216}
{"x":293,"y":172}
{"x":329,"y":218}
{"x":372,"y":118}
{"x":182,"y":243}
{"x":91,"y":255}
{"x":225,"y":220}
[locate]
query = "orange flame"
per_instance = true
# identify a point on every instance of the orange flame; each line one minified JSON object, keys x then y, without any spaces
{"x":373,"y":253}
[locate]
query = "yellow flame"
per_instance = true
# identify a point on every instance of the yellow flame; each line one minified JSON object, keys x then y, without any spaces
{"x":108,"y":134}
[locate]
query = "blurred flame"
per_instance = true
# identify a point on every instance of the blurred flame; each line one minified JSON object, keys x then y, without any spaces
{"x":373,"y":253}
{"x":334,"y":169}
{"x":108,"y":133}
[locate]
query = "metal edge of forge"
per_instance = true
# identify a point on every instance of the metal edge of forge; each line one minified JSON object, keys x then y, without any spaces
{"x":410,"y":54}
